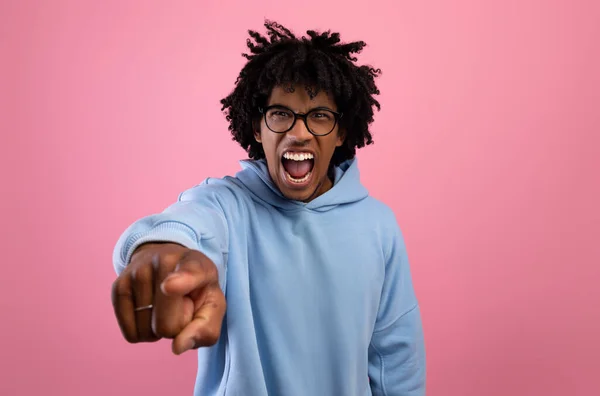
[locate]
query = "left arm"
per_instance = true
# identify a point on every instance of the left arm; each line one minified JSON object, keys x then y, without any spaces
{"x":397,"y":350}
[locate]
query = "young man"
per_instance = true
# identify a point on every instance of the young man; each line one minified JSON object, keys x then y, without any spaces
{"x":313,"y":271}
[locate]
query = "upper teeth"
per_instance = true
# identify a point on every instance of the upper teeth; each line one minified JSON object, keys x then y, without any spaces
{"x":297,"y":157}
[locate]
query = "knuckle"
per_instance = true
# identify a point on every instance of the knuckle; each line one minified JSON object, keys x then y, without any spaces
{"x":130,"y":338}
{"x":165,"y":329}
{"x":220,"y":296}
{"x":142,"y":251}
{"x":212,"y":336}
{"x":217,"y":297}
{"x":147,"y":335}
{"x":193,"y":262}
{"x":170,"y":258}
{"x":159,"y":264}
{"x":210,"y":271}
{"x":159,"y":254}
{"x":142,"y":274}
{"x":120,"y":288}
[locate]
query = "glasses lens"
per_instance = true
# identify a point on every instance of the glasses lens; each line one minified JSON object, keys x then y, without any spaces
{"x":279,"y":119}
{"x":321,"y":122}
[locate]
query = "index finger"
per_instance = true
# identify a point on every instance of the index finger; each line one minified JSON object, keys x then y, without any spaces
{"x":205,"y":327}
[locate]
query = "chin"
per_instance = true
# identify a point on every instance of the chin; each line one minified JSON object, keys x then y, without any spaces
{"x":304,"y":196}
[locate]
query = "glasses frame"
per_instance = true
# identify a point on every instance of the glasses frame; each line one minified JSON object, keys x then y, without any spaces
{"x":303,"y":116}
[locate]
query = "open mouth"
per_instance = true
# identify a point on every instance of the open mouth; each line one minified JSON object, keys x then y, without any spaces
{"x":298,"y":166}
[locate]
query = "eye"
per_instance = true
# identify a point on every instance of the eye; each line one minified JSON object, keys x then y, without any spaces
{"x":322,"y":115}
{"x":279,"y":113}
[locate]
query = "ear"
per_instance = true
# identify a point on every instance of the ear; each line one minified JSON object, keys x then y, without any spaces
{"x":256,"y":127}
{"x":341,"y":137}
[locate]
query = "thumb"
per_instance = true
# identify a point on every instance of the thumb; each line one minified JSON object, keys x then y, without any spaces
{"x":194,"y":271}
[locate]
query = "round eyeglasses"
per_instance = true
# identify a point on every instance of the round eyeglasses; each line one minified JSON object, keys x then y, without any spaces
{"x":319,"y":121}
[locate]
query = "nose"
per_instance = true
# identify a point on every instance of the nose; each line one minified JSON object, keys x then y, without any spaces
{"x":299,"y":132}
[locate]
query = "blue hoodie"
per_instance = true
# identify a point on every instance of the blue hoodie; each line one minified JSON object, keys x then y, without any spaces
{"x":320,"y":299}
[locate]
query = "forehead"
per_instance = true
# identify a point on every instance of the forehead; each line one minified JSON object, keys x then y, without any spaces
{"x":299,"y":99}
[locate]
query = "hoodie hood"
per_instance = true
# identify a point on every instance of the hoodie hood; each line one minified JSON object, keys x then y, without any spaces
{"x":346,"y":189}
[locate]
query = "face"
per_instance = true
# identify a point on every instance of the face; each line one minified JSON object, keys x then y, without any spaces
{"x":298,"y":161}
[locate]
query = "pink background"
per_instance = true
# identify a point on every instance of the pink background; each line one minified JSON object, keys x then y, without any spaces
{"x":487,"y":148}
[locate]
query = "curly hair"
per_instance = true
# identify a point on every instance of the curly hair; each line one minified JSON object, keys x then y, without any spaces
{"x":318,"y":61}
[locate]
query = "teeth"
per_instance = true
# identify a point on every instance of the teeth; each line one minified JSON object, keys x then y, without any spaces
{"x":298,"y":157}
{"x":305,"y":178}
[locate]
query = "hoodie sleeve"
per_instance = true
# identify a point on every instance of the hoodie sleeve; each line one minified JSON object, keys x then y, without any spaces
{"x":197,"y":221}
{"x":397,"y":350}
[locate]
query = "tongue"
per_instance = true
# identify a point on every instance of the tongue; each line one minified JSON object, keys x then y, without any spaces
{"x":297,"y":169}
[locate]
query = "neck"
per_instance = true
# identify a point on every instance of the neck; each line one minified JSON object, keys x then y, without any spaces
{"x":324,"y":187}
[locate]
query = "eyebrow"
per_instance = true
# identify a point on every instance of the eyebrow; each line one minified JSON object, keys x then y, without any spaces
{"x":312,"y":108}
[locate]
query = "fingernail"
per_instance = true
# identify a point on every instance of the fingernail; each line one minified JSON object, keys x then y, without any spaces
{"x":173,"y":275}
{"x":162,"y":288}
{"x":167,"y":279}
{"x":189,"y":345}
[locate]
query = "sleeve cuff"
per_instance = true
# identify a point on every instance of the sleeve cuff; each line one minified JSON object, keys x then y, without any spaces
{"x":171,"y":231}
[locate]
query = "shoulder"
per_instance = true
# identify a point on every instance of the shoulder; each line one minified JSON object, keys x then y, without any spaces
{"x":378,"y":212}
{"x":382,"y":219}
{"x":226,"y":191}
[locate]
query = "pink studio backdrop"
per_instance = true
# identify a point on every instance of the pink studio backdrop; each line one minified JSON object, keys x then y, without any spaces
{"x":486,"y":149}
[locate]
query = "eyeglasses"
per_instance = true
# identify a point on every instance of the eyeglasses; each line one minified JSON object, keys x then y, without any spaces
{"x":319,"y":121}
